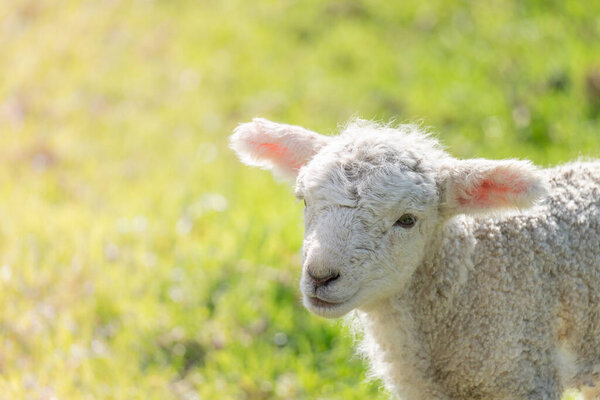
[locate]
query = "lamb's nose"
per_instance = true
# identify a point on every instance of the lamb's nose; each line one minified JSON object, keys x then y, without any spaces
{"x":319,"y":281}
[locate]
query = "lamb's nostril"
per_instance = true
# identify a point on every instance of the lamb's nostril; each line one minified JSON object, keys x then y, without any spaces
{"x":331,"y":278}
{"x":323,"y":280}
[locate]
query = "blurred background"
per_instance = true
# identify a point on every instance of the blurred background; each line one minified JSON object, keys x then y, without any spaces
{"x":140,"y":260}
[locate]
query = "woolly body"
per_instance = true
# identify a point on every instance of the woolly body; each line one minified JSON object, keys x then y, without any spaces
{"x":476,"y":299}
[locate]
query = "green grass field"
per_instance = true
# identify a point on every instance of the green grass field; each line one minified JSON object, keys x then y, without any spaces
{"x":140,"y":260}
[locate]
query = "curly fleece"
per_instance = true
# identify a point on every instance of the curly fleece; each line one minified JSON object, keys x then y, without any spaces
{"x":492,"y":294}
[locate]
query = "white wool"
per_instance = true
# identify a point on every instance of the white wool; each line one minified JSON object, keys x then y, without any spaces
{"x":469,"y":279}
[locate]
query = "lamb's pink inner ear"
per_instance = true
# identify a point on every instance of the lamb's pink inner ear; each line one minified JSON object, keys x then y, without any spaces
{"x":282,"y":148}
{"x":277,"y":153}
{"x":490,"y":193}
{"x":481,"y":185}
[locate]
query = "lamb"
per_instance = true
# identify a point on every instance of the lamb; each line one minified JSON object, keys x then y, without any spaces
{"x":471,"y":279}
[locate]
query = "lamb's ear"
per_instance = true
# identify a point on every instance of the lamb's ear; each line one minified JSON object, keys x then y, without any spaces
{"x":284,"y":149}
{"x":479,"y":185}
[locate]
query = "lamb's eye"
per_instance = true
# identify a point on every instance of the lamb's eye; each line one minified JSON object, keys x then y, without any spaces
{"x":406,"y":221}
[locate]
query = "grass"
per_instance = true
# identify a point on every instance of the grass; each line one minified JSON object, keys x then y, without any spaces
{"x":139,"y":259}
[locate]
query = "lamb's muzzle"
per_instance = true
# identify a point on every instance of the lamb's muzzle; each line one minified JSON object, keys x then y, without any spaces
{"x":322,"y":280}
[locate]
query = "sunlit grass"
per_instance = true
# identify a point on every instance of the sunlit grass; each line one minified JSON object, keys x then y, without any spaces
{"x":139,"y":259}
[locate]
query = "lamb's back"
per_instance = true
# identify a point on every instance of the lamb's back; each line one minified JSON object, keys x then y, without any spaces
{"x":540,"y":269}
{"x":520,"y":289}
{"x":574,"y":208}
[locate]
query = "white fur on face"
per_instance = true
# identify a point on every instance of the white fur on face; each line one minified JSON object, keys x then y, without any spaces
{"x":356,"y":188}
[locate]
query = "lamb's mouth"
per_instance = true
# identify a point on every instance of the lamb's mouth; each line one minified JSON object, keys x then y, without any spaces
{"x":317,"y":302}
{"x":329,"y":309}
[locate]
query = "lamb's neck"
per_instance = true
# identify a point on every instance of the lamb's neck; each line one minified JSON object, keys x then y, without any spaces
{"x":396,"y":356}
{"x":448,"y":262}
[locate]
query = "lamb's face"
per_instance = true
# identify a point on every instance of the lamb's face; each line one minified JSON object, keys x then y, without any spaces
{"x":370,"y":207}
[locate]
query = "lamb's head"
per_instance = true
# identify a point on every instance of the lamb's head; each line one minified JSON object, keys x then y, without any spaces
{"x":375,"y":200}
